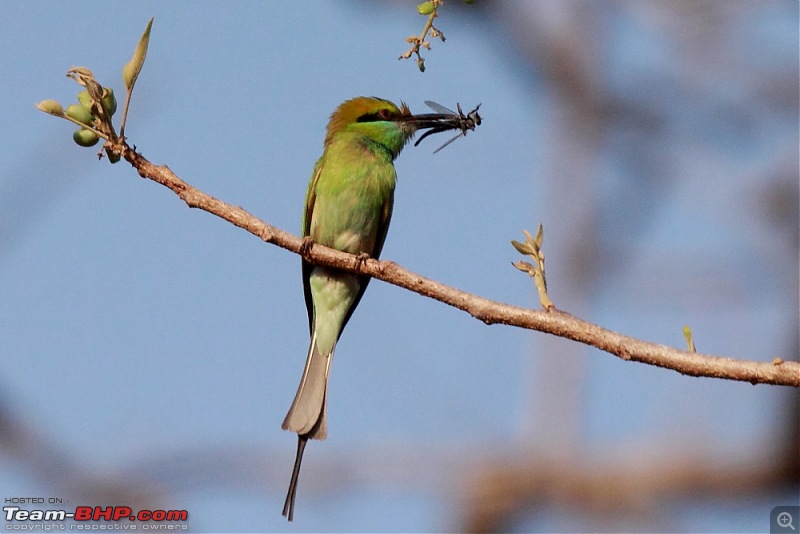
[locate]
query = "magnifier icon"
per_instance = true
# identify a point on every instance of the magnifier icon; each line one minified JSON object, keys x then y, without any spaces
{"x":784,"y":520}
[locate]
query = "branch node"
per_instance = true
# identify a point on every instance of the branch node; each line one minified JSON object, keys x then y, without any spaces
{"x":532,"y":247}
{"x":386,"y":266}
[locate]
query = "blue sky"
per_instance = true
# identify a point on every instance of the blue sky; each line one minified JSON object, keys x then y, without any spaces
{"x":135,"y":330}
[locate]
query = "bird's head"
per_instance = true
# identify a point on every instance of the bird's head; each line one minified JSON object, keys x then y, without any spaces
{"x":378,"y":120}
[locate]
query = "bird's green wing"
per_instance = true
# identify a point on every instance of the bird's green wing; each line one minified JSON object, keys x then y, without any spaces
{"x":380,"y":239}
{"x":311,"y":198}
{"x":383,"y":227}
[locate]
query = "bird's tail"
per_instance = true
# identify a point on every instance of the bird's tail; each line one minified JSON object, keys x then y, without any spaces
{"x":308,"y":414}
{"x":288,"y":505}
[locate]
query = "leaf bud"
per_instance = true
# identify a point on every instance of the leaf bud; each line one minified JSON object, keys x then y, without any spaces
{"x":79,"y":113}
{"x":85,"y":137}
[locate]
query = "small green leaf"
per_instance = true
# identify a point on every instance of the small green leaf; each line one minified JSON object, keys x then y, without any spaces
{"x":52,"y":107}
{"x":522,"y":248}
{"x":131,"y":71}
{"x":539,"y":236}
{"x":425,"y":8}
{"x":523,"y":266}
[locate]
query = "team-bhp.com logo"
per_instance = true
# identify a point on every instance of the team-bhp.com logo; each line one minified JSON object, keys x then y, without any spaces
{"x":91,"y":515}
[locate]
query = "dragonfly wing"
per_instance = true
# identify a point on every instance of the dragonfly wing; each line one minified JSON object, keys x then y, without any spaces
{"x":447,"y":143}
{"x":438,"y":108}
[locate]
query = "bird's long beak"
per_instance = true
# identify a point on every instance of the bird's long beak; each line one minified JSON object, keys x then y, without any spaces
{"x":442,"y":122}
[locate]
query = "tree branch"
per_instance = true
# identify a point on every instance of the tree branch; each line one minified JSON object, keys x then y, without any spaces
{"x":553,"y":321}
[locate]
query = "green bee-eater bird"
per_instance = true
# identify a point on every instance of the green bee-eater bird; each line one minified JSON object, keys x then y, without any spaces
{"x":348,"y":208}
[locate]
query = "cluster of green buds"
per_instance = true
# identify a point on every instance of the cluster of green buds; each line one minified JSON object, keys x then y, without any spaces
{"x":82,"y":112}
{"x":97,"y":104}
{"x":430,"y":9}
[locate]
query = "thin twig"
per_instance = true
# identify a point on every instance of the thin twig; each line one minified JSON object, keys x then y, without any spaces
{"x":418,"y":41}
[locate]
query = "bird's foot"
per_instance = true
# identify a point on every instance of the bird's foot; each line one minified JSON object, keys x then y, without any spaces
{"x":361,"y":259}
{"x":306,"y":245}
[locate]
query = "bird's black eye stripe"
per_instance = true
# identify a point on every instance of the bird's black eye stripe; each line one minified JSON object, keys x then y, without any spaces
{"x":382,"y":115}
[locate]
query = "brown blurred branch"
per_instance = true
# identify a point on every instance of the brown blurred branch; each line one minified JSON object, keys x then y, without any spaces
{"x":497,"y":494}
{"x":553,"y":321}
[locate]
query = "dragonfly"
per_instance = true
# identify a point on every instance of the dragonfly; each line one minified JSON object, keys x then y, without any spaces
{"x":451,"y":120}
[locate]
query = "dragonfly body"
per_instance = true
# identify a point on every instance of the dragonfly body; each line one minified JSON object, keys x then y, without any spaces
{"x":451,"y":120}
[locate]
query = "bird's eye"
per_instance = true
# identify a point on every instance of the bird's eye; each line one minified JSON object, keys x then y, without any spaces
{"x":380,"y":115}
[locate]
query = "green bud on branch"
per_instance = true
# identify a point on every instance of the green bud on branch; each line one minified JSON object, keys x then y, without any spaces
{"x":109,"y":101}
{"x":85,"y":137}
{"x":425,"y":8}
{"x":532,"y":247}
{"x":52,"y":107}
{"x":85,"y":100}
{"x":80,"y":113}
{"x":687,"y":333}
